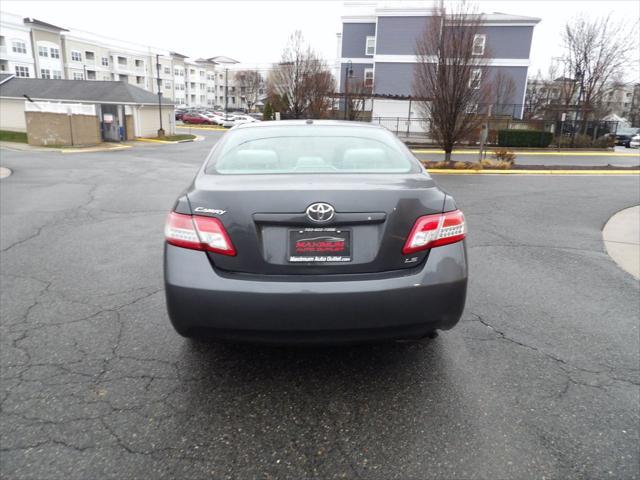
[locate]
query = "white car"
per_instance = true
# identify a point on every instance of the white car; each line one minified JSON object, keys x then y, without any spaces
{"x":240,"y":119}
{"x":217,"y":119}
{"x":228,"y":121}
{"x":635,"y":142}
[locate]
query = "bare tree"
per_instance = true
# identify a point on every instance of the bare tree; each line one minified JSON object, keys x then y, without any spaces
{"x":318,"y":87}
{"x":300,"y":80}
{"x":250,"y":83}
{"x":596,"y":51}
{"x":359,"y":93}
{"x":536,"y":96}
{"x":503,"y":88}
{"x":450,"y":78}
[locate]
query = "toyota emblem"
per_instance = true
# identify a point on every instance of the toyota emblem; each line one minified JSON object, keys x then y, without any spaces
{"x":320,"y":212}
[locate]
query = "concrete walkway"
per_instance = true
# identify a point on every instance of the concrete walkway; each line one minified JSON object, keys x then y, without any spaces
{"x":621,"y":237}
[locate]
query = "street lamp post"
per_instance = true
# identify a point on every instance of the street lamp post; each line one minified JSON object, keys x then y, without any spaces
{"x":348,"y":72}
{"x":160,"y":130}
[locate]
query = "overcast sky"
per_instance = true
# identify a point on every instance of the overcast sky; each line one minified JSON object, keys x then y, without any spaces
{"x":256,"y":31}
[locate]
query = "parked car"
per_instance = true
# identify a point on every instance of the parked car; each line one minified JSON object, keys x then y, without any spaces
{"x":196,"y":118}
{"x":635,"y":141}
{"x":228,"y":121}
{"x":240,"y":119}
{"x":179,"y":113}
{"x":214,"y":118}
{"x":623,"y":135}
{"x":309,"y":231}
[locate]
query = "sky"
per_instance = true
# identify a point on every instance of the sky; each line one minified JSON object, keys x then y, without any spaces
{"x":255,"y":32}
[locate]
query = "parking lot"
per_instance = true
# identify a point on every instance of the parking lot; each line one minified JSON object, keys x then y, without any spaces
{"x":539,"y":380}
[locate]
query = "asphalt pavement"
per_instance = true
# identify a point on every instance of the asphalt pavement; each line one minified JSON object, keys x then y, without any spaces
{"x":539,"y":380}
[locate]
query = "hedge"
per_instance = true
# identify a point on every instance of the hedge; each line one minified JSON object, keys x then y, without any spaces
{"x":524,"y":138}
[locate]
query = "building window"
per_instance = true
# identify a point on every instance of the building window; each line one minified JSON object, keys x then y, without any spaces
{"x":167,"y":70}
{"x":139,"y":64}
{"x":43,"y":51}
{"x":105,"y":61}
{"x":22,"y":71}
{"x":370,"y":46}
{"x":56,"y":75}
{"x":55,"y":52}
{"x":167,"y":85}
{"x":45,"y":73}
{"x":78,"y":76}
{"x":368,"y":77}
{"x":76,"y":56}
{"x":478,"y":44}
{"x":472,"y":108}
{"x":19,"y":46}
{"x":476,"y":77}
{"x":89,"y":56}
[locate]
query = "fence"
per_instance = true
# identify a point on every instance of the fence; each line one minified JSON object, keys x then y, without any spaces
{"x":568,"y":133}
{"x":405,"y":127}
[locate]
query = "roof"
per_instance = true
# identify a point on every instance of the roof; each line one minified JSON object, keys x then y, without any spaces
{"x":40,"y":23}
{"x":93,"y":91}
{"x":5,"y":76}
{"x":298,"y":122}
{"x":176,"y":54}
{"x":222,"y":59}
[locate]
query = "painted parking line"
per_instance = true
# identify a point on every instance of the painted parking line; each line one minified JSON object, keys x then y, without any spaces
{"x":446,"y":171}
{"x":197,"y":127}
{"x":569,"y":154}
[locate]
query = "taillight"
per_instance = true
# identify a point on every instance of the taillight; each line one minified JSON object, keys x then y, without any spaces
{"x":436,"y":230}
{"x":198,"y":233}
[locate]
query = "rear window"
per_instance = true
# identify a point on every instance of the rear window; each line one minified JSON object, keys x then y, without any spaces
{"x":310,"y":149}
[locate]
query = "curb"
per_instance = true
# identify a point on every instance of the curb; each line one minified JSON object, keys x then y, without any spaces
{"x":621,"y":236}
{"x":92,"y":149}
{"x":446,"y":171}
{"x":560,"y":154}
{"x":197,"y":127}
{"x":5,"y":172}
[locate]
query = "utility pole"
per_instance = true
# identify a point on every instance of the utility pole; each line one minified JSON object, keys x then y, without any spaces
{"x":347,"y":72}
{"x":226,"y":90}
{"x":160,"y":130}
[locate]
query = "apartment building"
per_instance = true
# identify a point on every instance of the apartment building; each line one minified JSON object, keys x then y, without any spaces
{"x":550,"y":99}
{"x":378,"y":43}
{"x":16,"y":52}
{"x":31,"y":48}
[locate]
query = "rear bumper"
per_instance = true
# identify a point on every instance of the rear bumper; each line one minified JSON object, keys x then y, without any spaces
{"x":296,"y":309}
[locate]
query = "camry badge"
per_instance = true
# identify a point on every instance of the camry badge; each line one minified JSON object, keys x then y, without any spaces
{"x":320,"y":212}
{"x":214,"y":211}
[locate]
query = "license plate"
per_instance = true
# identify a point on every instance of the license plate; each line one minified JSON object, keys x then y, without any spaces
{"x":319,"y":245}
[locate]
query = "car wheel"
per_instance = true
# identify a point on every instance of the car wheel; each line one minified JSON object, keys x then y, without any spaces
{"x":627,"y":145}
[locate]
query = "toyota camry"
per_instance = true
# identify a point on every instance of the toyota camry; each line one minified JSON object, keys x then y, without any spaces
{"x":314,"y":232}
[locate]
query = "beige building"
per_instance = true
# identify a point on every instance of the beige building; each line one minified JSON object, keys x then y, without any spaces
{"x":119,"y":110}
{"x":31,"y":48}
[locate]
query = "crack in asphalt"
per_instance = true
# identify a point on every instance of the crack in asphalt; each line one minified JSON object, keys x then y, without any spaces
{"x":563,"y":364}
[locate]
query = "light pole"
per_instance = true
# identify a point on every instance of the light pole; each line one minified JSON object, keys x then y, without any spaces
{"x":348,"y":72}
{"x":226,"y":90}
{"x":160,"y":130}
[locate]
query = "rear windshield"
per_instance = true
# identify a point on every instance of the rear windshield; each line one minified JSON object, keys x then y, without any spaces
{"x":310,"y":149}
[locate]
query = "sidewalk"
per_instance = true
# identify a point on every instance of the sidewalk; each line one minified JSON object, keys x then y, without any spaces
{"x":621,"y":237}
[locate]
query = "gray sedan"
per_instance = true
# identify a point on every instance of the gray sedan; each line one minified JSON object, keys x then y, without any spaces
{"x":314,"y":232}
